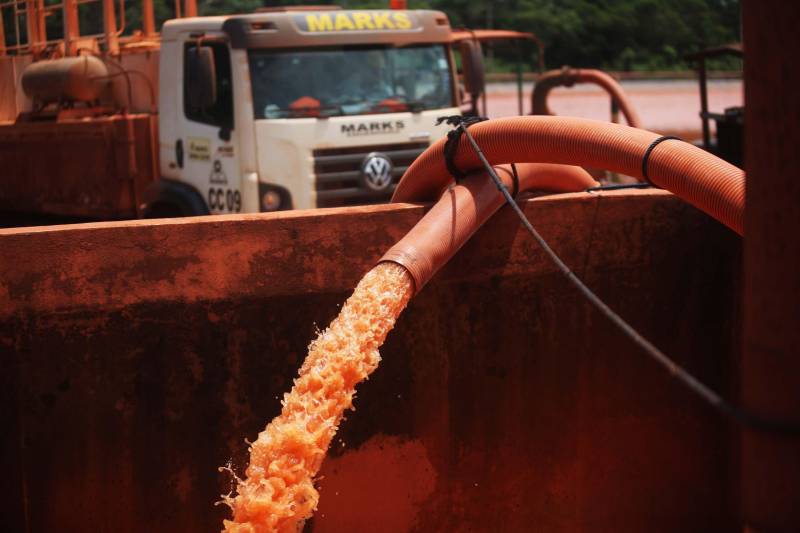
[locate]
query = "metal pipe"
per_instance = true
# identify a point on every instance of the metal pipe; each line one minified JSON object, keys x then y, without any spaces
{"x":567,"y":77}
{"x":16,"y":22}
{"x":110,"y":27}
{"x":701,"y":72}
{"x":122,"y":21}
{"x":2,"y":35}
{"x":148,"y":18}
{"x":133,"y":166}
{"x":42,"y":31}
{"x":71,"y":27}
{"x":519,"y":76}
{"x":31,"y":25}
{"x":190,"y":8}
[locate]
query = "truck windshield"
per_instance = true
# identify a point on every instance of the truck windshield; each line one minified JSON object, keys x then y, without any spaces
{"x":327,"y":82}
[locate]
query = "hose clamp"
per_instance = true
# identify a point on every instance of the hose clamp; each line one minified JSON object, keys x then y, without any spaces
{"x":461,"y":123}
{"x":649,"y":151}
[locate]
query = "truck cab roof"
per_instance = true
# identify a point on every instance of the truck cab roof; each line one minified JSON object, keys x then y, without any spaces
{"x":302,"y":28}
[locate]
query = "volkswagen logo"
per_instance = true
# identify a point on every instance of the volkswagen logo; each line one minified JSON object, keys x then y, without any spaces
{"x":376,"y":171}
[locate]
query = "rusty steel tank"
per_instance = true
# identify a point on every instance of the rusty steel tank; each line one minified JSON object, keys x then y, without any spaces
{"x":141,"y":355}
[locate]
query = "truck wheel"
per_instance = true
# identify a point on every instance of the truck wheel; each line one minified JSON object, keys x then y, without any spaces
{"x":162,"y":210}
{"x":165,"y":198}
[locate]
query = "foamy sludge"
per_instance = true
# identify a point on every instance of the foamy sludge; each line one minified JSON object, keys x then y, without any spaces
{"x":278,"y":492}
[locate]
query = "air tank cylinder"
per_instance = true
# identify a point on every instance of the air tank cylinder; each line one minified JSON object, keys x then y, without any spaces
{"x":68,"y":79}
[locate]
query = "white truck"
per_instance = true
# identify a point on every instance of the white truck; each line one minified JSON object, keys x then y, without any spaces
{"x":279,"y":109}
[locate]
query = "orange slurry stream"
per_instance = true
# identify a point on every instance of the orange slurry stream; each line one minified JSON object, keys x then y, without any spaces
{"x":278,"y":492}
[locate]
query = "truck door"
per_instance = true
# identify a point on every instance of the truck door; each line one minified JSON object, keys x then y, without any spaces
{"x":206,"y":146}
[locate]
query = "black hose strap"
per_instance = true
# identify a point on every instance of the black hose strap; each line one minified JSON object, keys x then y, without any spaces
{"x":453,"y":138}
{"x":450,"y":146}
{"x":647,"y":153}
{"x":515,"y":180}
{"x":618,"y":186}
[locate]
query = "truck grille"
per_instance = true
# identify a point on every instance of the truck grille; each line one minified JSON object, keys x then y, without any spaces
{"x":338,"y":173}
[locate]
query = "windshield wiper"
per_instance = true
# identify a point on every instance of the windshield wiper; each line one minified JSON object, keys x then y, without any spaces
{"x":414,"y":106}
{"x":324,"y":111}
{"x":331,"y":111}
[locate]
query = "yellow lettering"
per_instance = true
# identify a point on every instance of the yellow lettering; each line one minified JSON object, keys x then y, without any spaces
{"x":382,"y":21}
{"x":363,"y":21}
{"x":358,"y":20}
{"x":343,"y":22}
{"x":320,"y":22}
{"x":402,"y":21}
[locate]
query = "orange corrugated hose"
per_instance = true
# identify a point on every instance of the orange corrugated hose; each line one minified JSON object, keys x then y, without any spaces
{"x":567,"y":77}
{"x":702,"y":179}
{"x":463,"y":208}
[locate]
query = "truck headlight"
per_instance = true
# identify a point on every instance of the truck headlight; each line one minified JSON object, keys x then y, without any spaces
{"x":273,"y":198}
{"x":271,"y":201}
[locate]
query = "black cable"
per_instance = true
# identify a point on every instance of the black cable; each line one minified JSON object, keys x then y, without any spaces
{"x":737,"y":414}
{"x":619,"y":186}
{"x":122,"y":71}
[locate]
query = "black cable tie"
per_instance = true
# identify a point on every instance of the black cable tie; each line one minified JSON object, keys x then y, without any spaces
{"x":647,"y":153}
{"x":461,"y":123}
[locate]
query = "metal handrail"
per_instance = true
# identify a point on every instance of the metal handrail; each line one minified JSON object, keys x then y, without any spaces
{"x":36,"y":9}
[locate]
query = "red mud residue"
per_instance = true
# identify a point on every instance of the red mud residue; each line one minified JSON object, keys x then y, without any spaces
{"x":377,"y":487}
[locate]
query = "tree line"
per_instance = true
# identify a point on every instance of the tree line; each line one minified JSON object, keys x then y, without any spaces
{"x":611,"y":34}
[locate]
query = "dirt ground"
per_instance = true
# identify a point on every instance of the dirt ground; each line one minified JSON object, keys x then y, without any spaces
{"x":665,"y":106}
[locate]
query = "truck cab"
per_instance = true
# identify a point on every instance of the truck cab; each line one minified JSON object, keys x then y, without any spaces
{"x":284,"y":108}
{"x":299,"y":109}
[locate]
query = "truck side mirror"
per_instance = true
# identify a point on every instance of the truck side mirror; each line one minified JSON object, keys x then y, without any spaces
{"x":201,"y":77}
{"x":472,"y":67}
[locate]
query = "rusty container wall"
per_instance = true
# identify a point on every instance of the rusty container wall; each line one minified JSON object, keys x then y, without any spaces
{"x":770,"y":366}
{"x":139,"y":356}
{"x":97,"y":168}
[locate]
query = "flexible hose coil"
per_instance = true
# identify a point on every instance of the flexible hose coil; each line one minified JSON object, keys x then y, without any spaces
{"x":551,"y":145}
{"x":698,"y":177}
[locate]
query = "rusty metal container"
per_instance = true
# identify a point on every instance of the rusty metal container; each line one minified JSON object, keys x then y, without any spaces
{"x":98,"y":168}
{"x":138,"y":356}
